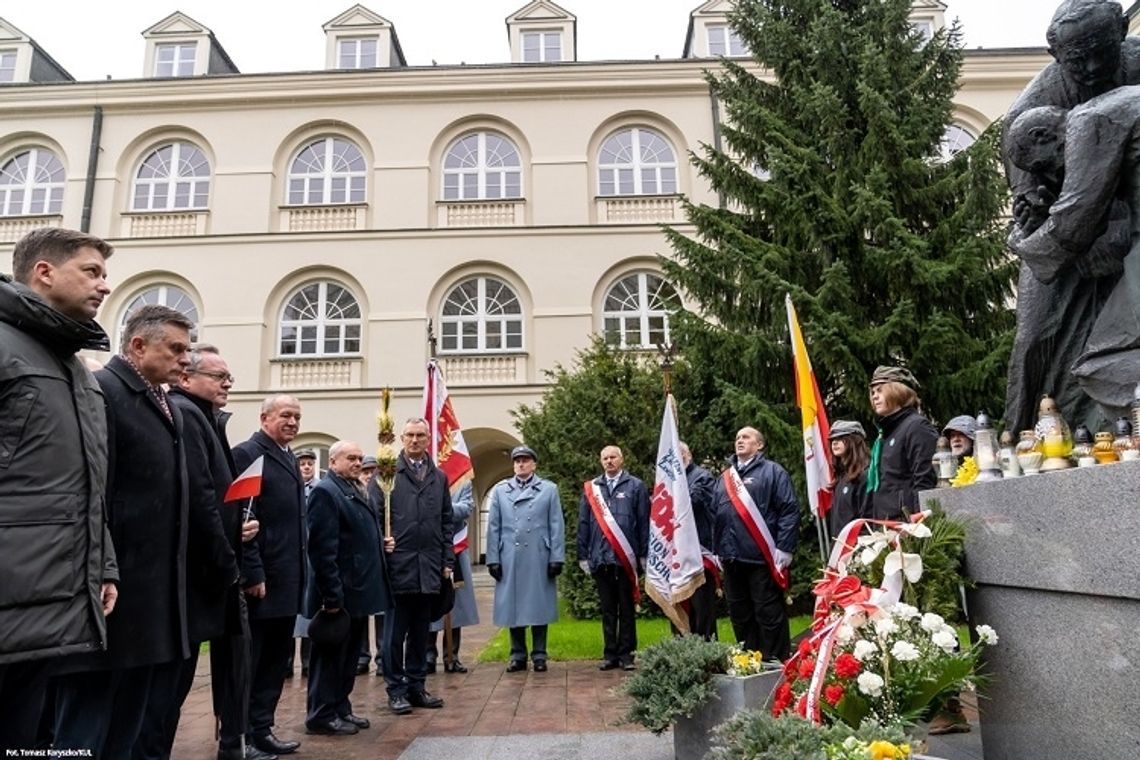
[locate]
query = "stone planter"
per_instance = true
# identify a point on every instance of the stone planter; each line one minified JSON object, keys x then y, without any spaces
{"x":692,"y":736}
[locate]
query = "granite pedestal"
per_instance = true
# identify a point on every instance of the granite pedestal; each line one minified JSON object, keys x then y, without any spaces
{"x":692,"y":736}
{"x":1056,"y":560}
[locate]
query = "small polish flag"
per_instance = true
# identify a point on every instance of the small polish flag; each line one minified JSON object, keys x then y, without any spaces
{"x":248,"y":484}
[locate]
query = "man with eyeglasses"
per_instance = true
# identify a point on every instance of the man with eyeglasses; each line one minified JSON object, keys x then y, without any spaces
{"x":420,"y":558}
{"x":215,"y":606}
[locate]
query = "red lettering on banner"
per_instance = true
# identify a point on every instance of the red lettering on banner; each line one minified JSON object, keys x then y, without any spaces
{"x":661,"y":511}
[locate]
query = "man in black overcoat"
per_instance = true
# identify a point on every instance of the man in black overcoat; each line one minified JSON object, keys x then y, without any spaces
{"x":102,"y":699}
{"x":273,"y":564}
{"x":420,"y":559}
{"x":346,"y":574}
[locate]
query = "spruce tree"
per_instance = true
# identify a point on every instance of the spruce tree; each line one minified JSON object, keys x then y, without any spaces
{"x":832,"y":191}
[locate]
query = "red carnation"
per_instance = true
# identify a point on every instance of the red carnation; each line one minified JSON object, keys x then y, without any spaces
{"x":790,"y":668}
{"x":846,"y":666}
{"x":832,"y":694}
{"x":784,"y":692}
{"x":801,"y":707}
{"x":806,"y":668}
{"x":805,"y":647}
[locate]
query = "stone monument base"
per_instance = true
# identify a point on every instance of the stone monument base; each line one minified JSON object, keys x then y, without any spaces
{"x":1056,"y":560}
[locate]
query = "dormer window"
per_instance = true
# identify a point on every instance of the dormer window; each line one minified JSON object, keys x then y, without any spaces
{"x":357,"y":52}
{"x":724,"y":42}
{"x":7,"y":65}
{"x":541,"y":47}
{"x":924,"y":28}
{"x":175,"y":59}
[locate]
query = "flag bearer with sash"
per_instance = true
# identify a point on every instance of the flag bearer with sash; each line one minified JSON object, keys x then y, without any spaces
{"x":613,"y":538}
{"x":755,"y":530}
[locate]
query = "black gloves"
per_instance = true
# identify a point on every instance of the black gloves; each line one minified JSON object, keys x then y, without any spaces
{"x":495,"y":571}
{"x":554,"y":569}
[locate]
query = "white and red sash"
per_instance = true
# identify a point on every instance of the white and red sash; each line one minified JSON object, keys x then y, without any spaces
{"x":459,"y":541}
{"x":749,"y":514}
{"x":612,"y":531}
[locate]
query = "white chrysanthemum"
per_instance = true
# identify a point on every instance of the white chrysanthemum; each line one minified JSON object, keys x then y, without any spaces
{"x":904,"y":611}
{"x":932,"y":622}
{"x":845,"y":634}
{"x":864,"y":649}
{"x":945,"y":639}
{"x":904,"y":651}
{"x":987,"y":635}
{"x":885,"y":627}
{"x":870,"y":684}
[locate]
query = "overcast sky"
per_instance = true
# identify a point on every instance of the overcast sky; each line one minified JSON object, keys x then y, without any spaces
{"x":94,"y":39}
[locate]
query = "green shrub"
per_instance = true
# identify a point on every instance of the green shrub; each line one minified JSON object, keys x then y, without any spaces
{"x":674,"y":677}
{"x":756,"y":735}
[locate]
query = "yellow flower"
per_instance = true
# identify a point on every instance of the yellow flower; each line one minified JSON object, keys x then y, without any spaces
{"x":881,"y":750}
{"x":967,"y":473}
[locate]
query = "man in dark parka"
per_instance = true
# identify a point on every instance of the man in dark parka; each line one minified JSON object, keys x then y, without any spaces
{"x":56,"y":558}
{"x":100,"y":706}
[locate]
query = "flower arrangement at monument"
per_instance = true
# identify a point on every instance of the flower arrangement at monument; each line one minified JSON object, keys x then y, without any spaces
{"x":872,"y":656}
{"x":852,"y":748}
{"x":745,"y":662}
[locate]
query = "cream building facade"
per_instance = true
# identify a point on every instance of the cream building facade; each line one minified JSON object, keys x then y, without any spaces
{"x":314,"y":224}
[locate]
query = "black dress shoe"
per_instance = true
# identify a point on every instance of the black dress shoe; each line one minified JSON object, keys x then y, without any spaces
{"x":334,"y":727}
{"x":274,"y":746}
{"x":230,"y":753}
{"x":423,"y":699}
{"x":253,"y":753}
{"x":628,"y":665}
{"x":399,"y":705}
{"x":429,"y":666}
{"x":609,"y":665}
{"x":515,"y":666}
{"x":540,"y":666}
{"x":362,"y":668}
{"x":356,"y":720}
{"x":455,"y":666}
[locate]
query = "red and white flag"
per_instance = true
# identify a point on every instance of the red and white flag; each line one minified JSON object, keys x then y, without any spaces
{"x":248,"y":484}
{"x":817,"y":451}
{"x":448,"y":449}
{"x":674,"y":568}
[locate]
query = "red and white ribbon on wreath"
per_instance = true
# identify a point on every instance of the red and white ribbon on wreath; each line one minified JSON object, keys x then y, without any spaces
{"x":851,"y":595}
{"x":754,"y":522}
{"x":614,"y":535}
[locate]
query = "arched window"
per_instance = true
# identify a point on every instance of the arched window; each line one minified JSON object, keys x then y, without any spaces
{"x":955,"y":139}
{"x":481,"y":314}
{"x":164,"y":295}
{"x":328,"y":170}
{"x":31,"y":183}
{"x":175,"y":176}
{"x":481,"y":166}
{"x":320,"y":319}
{"x":635,"y":312}
{"x":637,"y":161}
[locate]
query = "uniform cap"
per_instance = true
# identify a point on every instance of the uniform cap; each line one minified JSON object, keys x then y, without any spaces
{"x":523,"y":451}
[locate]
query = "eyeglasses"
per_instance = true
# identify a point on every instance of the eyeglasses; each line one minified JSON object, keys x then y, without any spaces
{"x":221,"y":377}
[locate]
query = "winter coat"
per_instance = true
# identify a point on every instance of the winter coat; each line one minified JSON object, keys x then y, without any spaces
{"x":345,"y":558}
{"x":629,"y":503}
{"x":905,"y":467}
{"x":771,"y":489}
{"x":148,"y":511}
{"x":213,"y":542}
{"x":276,"y":557}
{"x":465,"y":611}
{"x":849,"y":501}
{"x":701,"y":486}
{"x":421,"y":525}
{"x":55,"y":547}
{"x":525,"y":533}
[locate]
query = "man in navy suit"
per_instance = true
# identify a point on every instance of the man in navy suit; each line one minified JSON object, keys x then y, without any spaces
{"x":273,"y":564}
{"x":346,"y":573}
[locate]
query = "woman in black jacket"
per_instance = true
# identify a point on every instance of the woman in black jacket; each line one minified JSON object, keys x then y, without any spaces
{"x":849,"y":459}
{"x":901,"y":457}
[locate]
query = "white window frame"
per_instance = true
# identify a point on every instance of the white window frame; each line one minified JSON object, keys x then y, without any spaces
{"x":353,"y":49}
{"x":321,"y":323}
{"x":163,"y":294}
{"x":48,"y":189}
{"x":181,"y":59}
{"x":329,"y":173}
{"x":955,"y":139}
{"x":490,"y":314}
{"x":183,"y":156}
{"x":637,"y":322}
{"x":661,"y":173}
{"x":488,"y":170}
{"x":545,"y":52}
{"x":8,"y":65}
{"x":724,"y":42}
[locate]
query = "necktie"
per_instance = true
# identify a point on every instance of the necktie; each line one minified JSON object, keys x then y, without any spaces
{"x":160,"y":397}
{"x":611,"y":482}
{"x":418,"y":469}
